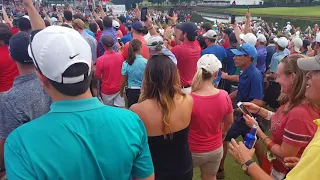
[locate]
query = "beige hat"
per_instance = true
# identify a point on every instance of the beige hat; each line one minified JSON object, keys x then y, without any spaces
{"x":298,"y":43}
{"x":309,"y":63}
{"x":210,"y":63}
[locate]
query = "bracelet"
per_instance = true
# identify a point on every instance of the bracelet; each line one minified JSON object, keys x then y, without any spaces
{"x":258,"y":111}
{"x":264,"y":138}
{"x":270,"y":114}
{"x":270,"y":145}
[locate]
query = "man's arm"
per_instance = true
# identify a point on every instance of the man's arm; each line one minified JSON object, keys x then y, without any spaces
{"x":233,"y":78}
{"x":123,"y":83}
{"x":46,"y":15}
{"x":247,"y":25}
{"x":5,"y":17}
{"x":150,"y":27}
{"x":237,"y":31}
{"x":35,"y":19}
{"x":233,"y":94}
{"x":103,"y":14}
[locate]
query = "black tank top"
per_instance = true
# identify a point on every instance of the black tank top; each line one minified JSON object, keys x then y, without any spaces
{"x":171,"y":157}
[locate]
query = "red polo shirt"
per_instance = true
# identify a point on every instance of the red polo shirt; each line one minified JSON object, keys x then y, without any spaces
{"x":108,"y":67}
{"x":123,"y":29}
{"x":226,"y":44}
{"x":144,"y":50}
{"x":8,"y":69}
{"x":187,"y":54}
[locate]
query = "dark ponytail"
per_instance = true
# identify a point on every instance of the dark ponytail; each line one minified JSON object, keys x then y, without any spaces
{"x":134,"y":47}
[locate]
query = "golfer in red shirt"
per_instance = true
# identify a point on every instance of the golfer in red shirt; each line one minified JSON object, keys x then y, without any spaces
{"x":108,"y":70}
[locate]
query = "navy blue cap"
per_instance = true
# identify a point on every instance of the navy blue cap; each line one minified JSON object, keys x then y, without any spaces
{"x":18,"y":47}
{"x":245,"y":49}
{"x":137,"y":25}
{"x":107,"y":40}
{"x":188,"y":27}
{"x":128,"y":24}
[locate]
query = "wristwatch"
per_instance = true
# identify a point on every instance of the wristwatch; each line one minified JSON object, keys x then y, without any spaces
{"x":2,"y":169}
{"x":245,"y":166}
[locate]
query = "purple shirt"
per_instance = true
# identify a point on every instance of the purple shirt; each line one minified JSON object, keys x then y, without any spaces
{"x":261,"y":61}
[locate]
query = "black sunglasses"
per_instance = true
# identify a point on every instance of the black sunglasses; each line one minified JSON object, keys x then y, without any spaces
{"x":155,"y":43}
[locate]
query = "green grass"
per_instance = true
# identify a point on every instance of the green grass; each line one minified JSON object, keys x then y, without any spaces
{"x":282,"y":11}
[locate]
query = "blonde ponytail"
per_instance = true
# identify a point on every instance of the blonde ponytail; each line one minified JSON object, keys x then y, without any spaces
{"x":197,"y":80}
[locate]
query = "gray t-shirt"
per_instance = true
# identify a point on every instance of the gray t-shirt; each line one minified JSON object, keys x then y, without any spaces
{"x":25,"y":101}
{"x":92,"y":43}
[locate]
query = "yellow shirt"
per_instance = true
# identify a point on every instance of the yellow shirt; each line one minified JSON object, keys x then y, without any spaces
{"x":308,"y":166}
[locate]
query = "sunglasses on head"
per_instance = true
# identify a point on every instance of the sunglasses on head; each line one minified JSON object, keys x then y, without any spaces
{"x":240,"y":48}
{"x":155,"y":43}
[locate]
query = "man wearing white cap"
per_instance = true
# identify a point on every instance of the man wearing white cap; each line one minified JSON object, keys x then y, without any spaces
{"x":249,"y":38}
{"x":79,"y":138}
{"x":210,"y":39}
{"x":295,"y":46}
{"x":273,"y":90}
{"x":155,"y":45}
{"x":262,"y":53}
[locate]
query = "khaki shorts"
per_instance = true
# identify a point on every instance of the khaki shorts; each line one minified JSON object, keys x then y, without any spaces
{"x":208,"y":162}
{"x":113,"y":99}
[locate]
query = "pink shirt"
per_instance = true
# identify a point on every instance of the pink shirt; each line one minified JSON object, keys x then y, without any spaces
{"x":187,"y":54}
{"x":295,"y":128}
{"x":208,"y":112}
{"x":108,"y":67}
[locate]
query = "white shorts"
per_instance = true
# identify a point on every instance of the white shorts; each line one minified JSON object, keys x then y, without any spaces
{"x":113,"y":99}
{"x":277,"y":175}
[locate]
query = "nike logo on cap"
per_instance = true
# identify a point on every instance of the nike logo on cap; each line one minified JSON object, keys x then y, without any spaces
{"x":71,"y":57}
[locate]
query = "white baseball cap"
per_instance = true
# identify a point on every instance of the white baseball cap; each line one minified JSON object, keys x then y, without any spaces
{"x":249,"y":38}
{"x":115,"y":24}
{"x":55,"y":49}
{"x":261,"y":38}
{"x":155,"y":43}
{"x":298,"y":43}
{"x":309,"y":63}
{"x":210,"y":63}
{"x":211,"y":34}
{"x":282,"y":42}
{"x":26,"y":16}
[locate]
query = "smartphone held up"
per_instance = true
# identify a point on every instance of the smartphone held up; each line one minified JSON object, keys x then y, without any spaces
{"x":233,"y":19}
{"x":144,"y":13}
